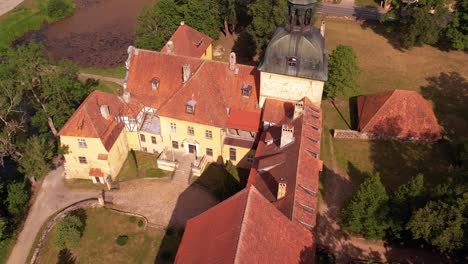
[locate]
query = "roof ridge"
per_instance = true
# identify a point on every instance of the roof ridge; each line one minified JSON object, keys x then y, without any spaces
{"x":380,"y":108}
{"x":241,"y":231}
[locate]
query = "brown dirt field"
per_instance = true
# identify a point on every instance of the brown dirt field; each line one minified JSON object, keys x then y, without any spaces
{"x":96,"y":36}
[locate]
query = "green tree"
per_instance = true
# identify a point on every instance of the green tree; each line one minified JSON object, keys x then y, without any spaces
{"x":204,"y":15}
{"x":37,"y":155}
{"x":3,"y":224}
{"x":440,"y":224}
{"x":266,"y":16}
{"x":68,"y":232}
{"x":417,"y":23}
{"x":60,"y":8}
{"x":228,"y":15}
{"x":457,"y":31}
{"x":17,"y":198}
{"x":156,"y":24}
{"x":409,"y":197}
{"x":365,"y":214}
{"x":343,"y":72}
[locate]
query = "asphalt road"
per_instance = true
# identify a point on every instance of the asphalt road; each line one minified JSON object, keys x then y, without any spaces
{"x":349,"y":11}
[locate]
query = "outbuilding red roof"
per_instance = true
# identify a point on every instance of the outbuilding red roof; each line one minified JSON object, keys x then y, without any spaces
{"x":245,"y":228}
{"x":189,"y":42}
{"x":398,"y":113}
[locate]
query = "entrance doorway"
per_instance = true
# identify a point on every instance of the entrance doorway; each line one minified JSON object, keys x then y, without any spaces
{"x":192,"y":149}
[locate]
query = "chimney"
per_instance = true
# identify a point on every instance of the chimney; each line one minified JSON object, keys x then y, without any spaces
{"x":322,"y":29}
{"x":287,"y":135}
{"x":232,"y":61}
{"x":182,"y":23}
{"x":126,"y":97}
{"x":298,"y":108}
{"x":105,"y":111}
{"x":281,"y":189}
{"x":170,"y":47}
{"x":185,"y":72}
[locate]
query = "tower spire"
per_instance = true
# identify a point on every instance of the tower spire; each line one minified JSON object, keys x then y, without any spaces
{"x":299,"y":15}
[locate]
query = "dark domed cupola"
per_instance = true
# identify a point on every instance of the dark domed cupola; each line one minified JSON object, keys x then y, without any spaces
{"x":297,"y":48}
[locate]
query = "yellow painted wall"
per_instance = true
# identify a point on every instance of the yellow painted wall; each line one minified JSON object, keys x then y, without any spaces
{"x":290,"y":88}
{"x":208,"y":53}
{"x":241,"y":156}
{"x":111,"y":166}
{"x":148,"y":144}
{"x":133,"y":140}
{"x":181,"y":135}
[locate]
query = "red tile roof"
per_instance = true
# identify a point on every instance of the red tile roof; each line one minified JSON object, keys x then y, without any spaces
{"x":189,"y":42}
{"x":212,"y":86}
{"x":245,"y":228}
{"x":297,"y":163}
{"x":244,"y":120}
{"x":87,"y":121}
{"x":398,"y":113}
{"x":95,"y":172}
{"x":274,"y":111}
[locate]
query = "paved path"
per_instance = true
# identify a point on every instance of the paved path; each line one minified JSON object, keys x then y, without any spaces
{"x":52,"y":196}
{"x":348,"y":10}
{"x":7,"y":5}
{"x":163,"y":202}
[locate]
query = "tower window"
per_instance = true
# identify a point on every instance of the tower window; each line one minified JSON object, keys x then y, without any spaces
{"x":292,"y":61}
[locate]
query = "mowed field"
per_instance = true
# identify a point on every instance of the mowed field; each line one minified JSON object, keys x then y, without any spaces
{"x":436,"y":74}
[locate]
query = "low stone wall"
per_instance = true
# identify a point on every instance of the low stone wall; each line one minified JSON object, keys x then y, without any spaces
{"x":61,"y":214}
{"x":350,"y":134}
{"x":167,"y":165}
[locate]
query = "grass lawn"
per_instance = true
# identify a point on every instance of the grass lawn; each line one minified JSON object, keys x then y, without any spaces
{"x":118,"y":72}
{"x":367,"y":3}
{"x":385,"y":67}
{"x":98,"y":245}
{"x":83,"y":184}
{"x":109,"y":87}
{"x":147,"y":166}
{"x":213,"y":178}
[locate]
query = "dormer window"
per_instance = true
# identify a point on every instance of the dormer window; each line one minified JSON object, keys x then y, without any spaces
{"x":190,"y":107}
{"x":292,"y":61}
{"x":155,"y":83}
{"x":246,"y":90}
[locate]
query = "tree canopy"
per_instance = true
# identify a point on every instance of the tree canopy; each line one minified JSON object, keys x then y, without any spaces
{"x":343,"y":73}
{"x":366,"y":212}
{"x":156,"y":24}
{"x":457,"y":30}
{"x":69,"y":232}
{"x":204,"y":15}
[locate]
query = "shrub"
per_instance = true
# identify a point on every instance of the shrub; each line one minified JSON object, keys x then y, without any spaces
{"x":132,"y":219}
{"x":69,"y":232}
{"x":121,"y":240}
{"x":60,"y":8}
{"x":140,"y":223}
{"x":154,"y":173}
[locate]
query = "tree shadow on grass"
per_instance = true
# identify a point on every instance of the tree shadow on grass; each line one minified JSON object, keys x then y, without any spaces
{"x":380,"y":29}
{"x":65,"y":257}
{"x":449,"y":94}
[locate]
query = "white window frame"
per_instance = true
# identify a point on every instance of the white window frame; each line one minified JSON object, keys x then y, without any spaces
{"x":190,"y":131}
{"x":208,"y":134}
{"x":173,"y":127}
{"x":82,"y":158}
{"x":250,"y":158}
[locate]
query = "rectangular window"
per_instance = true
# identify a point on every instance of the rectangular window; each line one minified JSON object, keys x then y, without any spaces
{"x":208,"y":134}
{"x":189,"y":109}
{"x":142,"y":138}
{"x":82,"y":143}
{"x":250,"y":159}
{"x":209,"y":152}
{"x":153,"y":140}
{"x":145,"y":149}
{"x":190,"y":131}
{"x":173,"y":127}
{"x":83,"y":160}
{"x":175,"y":144}
{"x":232,"y":154}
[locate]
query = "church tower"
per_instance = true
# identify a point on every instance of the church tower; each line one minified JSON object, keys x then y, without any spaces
{"x":295,"y":64}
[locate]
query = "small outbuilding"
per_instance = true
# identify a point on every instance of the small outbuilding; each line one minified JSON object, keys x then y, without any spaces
{"x":397,"y":114}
